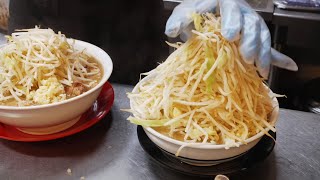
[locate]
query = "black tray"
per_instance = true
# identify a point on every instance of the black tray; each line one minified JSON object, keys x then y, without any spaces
{"x":255,"y":155}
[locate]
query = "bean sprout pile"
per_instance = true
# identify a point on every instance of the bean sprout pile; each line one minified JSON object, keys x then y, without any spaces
{"x":36,"y":65}
{"x":204,"y":92}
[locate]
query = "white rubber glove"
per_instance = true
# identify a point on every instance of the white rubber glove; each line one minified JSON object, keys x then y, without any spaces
{"x":238,"y":20}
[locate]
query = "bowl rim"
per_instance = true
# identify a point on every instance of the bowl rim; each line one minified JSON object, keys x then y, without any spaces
{"x":273,"y":119}
{"x":106,"y":74}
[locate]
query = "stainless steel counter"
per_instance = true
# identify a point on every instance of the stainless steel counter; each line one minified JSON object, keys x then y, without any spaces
{"x":110,"y":150}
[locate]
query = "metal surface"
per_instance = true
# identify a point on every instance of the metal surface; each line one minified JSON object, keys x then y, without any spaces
{"x":263,"y":7}
{"x":299,"y":29}
{"x":287,"y":17}
{"x":110,"y":150}
{"x":266,"y":9}
{"x":304,"y":5}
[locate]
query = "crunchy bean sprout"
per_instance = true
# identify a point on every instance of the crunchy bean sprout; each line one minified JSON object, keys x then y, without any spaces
{"x":36,"y":59}
{"x":204,"y":92}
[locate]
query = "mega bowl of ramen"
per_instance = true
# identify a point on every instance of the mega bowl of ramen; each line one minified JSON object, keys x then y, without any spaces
{"x":194,"y":138}
{"x":204,"y":102}
{"x":47,"y":80}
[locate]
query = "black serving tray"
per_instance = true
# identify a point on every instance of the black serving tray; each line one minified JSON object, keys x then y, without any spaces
{"x":241,"y":163}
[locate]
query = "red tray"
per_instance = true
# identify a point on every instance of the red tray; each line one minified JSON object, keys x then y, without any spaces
{"x":97,"y":111}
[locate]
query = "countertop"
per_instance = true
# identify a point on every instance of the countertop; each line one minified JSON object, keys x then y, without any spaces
{"x":110,"y":150}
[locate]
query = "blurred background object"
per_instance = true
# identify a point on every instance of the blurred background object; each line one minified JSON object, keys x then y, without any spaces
{"x":297,"y":35}
{"x":4,"y":14}
{"x":308,"y":97}
{"x":307,"y":5}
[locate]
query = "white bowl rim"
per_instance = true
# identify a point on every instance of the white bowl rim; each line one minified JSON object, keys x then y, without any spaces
{"x":106,"y":75}
{"x":274,"y":117}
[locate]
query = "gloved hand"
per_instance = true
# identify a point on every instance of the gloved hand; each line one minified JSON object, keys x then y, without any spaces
{"x":238,"y":20}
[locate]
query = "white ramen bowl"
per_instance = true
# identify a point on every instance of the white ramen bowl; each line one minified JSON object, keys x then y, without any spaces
{"x":205,"y":154}
{"x":55,"y":117}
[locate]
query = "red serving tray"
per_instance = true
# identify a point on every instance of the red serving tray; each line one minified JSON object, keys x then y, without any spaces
{"x":97,"y":111}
